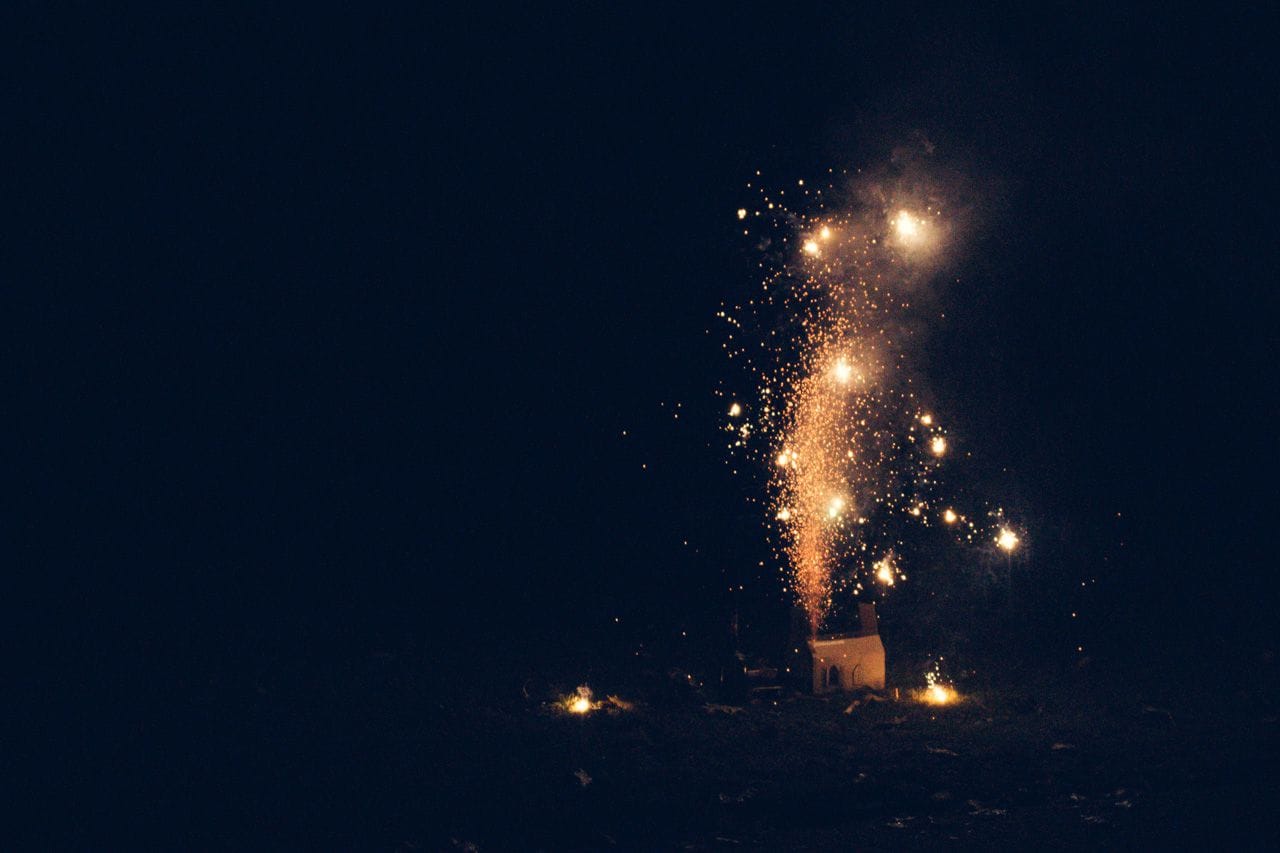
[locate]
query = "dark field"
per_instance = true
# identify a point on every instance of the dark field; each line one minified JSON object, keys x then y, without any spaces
{"x":380,"y":758}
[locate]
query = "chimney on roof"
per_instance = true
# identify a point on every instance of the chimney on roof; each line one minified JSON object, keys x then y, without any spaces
{"x":867,"y":623}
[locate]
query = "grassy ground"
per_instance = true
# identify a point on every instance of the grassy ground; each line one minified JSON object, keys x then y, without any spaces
{"x":384,"y":759}
{"x":1066,"y":764}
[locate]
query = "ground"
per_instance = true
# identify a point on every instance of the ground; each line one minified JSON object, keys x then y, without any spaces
{"x":1068,"y":759}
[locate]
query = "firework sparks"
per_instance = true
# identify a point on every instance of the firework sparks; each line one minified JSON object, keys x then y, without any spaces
{"x":1007,"y":540}
{"x":837,"y":414}
{"x":937,"y":691}
{"x":843,"y":372}
{"x":885,"y":569}
{"x":579,"y":702}
{"x":938,"y":694}
{"x":910,"y":229}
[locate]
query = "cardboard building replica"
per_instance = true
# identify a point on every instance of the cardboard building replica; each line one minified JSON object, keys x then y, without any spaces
{"x":848,"y":660}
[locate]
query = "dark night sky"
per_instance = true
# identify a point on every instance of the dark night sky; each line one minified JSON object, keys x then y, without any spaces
{"x":342,"y":319}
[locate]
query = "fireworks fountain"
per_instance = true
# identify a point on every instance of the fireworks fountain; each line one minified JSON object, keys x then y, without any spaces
{"x":837,"y":415}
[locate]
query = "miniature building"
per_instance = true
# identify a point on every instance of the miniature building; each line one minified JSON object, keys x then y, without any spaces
{"x":846,"y":661}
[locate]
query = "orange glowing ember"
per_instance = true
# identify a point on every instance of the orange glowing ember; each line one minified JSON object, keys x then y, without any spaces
{"x":937,"y":694}
{"x":580,"y":702}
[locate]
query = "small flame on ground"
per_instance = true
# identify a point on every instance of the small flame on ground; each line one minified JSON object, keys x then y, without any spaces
{"x":580,"y":702}
{"x":938,"y":694}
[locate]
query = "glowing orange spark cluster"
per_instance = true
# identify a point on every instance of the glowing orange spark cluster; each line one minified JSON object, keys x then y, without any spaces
{"x":837,"y":417}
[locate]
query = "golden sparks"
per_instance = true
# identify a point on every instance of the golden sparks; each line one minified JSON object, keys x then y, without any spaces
{"x":938,"y":694}
{"x":909,"y":228}
{"x":851,"y":450}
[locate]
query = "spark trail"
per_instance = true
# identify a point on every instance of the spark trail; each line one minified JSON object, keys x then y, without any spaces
{"x":854,"y":453}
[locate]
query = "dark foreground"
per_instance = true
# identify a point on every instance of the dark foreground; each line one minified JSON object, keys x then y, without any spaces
{"x":1068,"y":760}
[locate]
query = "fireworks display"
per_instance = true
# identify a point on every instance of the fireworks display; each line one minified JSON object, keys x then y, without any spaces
{"x":837,"y":416}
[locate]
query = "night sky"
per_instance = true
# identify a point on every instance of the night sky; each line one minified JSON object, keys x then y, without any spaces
{"x":342,"y":320}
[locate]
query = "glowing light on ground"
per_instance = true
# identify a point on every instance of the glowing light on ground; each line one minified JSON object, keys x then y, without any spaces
{"x":939,"y":694}
{"x":843,"y":372}
{"x":937,"y":691}
{"x":580,"y":701}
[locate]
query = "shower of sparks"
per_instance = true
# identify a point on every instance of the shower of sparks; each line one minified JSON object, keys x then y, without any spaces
{"x":886,"y":569}
{"x":837,"y":417}
{"x":1007,"y":540}
{"x":937,"y":691}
